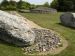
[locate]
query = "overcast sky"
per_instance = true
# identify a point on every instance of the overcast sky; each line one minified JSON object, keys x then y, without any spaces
{"x":36,"y":1}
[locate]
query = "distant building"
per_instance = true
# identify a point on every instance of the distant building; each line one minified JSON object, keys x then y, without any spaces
{"x":43,"y":10}
{"x":24,"y":11}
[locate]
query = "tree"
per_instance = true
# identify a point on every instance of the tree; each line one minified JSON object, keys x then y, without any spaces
{"x":12,"y":5}
{"x":19,"y":4}
{"x":69,"y":6}
{"x":4,"y":4}
{"x":63,"y":5}
{"x":23,"y":5}
{"x":54,"y":4}
{"x":32,"y":6}
{"x":46,"y":4}
{"x":8,"y":5}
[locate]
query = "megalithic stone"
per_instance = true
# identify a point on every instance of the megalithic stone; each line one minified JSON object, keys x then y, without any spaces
{"x":17,"y":30}
{"x":68,"y":19}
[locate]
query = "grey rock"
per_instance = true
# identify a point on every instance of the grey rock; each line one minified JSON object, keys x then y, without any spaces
{"x":68,"y":19}
{"x":16,"y":29}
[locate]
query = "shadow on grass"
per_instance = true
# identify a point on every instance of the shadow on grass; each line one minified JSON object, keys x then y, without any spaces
{"x":6,"y":43}
{"x":4,"y":36}
{"x":66,"y":26}
{"x":8,"y":39}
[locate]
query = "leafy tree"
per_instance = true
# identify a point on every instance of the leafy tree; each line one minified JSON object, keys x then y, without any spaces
{"x":46,"y":4}
{"x":63,"y":5}
{"x":12,"y":5}
{"x":69,"y":6}
{"x":4,"y":4}
{"x":8,"y":5}
{"x":54,"y":4}
{"x":23,"y":5}
{"x":32,"y":6}
{"x":19,"y":4}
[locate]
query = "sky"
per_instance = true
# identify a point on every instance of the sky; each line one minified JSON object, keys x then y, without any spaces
{"x":36,"y":2}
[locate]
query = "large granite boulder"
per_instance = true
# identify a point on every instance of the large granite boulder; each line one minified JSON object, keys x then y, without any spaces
{"x":16,"y":30}
{"x":68,"y":19}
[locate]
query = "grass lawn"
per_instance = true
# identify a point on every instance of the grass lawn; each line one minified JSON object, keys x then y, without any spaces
{"x":50,"y":21}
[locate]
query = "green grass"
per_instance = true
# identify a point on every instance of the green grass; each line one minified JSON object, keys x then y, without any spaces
{"x":9,"y":49}
{"x":51,"y":21}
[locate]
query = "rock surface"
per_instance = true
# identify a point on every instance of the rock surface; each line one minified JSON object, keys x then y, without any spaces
{"x":68,"y":19}
{"x":16,"y":29}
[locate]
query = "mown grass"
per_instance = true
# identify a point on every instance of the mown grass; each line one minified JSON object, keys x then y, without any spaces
{"x":9,"y":49}
{"x":52,"y":21}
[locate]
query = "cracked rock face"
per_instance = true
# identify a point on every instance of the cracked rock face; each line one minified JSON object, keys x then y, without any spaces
{"x":68,"y":19}
{"x":16,"y":29}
